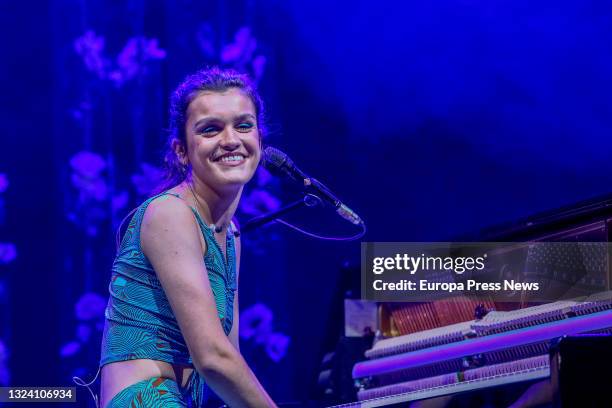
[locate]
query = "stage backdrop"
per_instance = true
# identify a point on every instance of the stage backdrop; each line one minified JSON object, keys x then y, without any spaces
{"x":431,"y":120}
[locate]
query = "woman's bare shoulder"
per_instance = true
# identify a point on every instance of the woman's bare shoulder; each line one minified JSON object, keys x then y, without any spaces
{"x":169,"y":219}
{"x":167,"y":208}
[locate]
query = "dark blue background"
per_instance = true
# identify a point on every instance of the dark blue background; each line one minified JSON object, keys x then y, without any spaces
{"x":431,"y":120}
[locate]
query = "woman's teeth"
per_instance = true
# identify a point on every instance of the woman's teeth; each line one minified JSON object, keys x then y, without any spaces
{"x":231,"y":158}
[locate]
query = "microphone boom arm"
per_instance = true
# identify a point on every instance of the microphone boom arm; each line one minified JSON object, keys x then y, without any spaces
{"x":309,"y":200}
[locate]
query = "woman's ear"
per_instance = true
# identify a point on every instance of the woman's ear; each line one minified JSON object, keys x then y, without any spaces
{"x":261,"y":149}
{"x":181,"y":152}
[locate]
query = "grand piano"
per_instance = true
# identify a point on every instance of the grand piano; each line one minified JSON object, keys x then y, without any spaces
{"x":462,"y":351}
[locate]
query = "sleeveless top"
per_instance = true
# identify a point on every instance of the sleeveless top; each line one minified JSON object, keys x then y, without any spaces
{"x":139,"y":322}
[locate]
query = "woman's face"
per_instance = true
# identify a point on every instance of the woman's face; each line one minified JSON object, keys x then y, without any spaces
{"x":223,"y":143}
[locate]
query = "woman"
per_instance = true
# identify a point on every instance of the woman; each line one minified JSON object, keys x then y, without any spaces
{"x":172,"y":318}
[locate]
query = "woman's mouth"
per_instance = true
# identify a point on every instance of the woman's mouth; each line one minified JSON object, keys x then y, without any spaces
{"x":233,"y":159}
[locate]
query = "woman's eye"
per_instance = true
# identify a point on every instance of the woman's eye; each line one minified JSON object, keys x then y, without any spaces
{"x":244,"y":126}
{"x":208,"y":129}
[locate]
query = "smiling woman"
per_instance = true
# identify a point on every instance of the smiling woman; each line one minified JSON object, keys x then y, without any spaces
{"x":171,"y":326}
{"x":209,"y":82}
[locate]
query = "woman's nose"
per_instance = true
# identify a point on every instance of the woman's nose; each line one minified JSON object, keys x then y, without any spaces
{"x":230,"y":140}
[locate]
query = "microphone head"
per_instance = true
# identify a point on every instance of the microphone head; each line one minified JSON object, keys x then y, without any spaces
{"x":274,"y":159}
{"x":279,"y":163}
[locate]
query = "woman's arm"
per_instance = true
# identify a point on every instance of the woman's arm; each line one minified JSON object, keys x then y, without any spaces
{"x":172,"y":242}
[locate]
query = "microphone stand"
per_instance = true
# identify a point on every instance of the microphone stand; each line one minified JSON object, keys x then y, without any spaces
{"x":309,"y":200}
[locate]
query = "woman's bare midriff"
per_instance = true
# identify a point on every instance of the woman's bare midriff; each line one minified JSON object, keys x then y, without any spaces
{"x":121,"y":374}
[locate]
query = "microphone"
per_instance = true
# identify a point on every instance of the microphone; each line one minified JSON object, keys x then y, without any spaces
{"x":275,"y":160}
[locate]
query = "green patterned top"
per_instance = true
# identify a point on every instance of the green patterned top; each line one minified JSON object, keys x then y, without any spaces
{"x":139,"y":321}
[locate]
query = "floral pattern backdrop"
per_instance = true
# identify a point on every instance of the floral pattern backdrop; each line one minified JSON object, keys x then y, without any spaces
{"x":112,"y":90}
{"x":87,"y":132}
